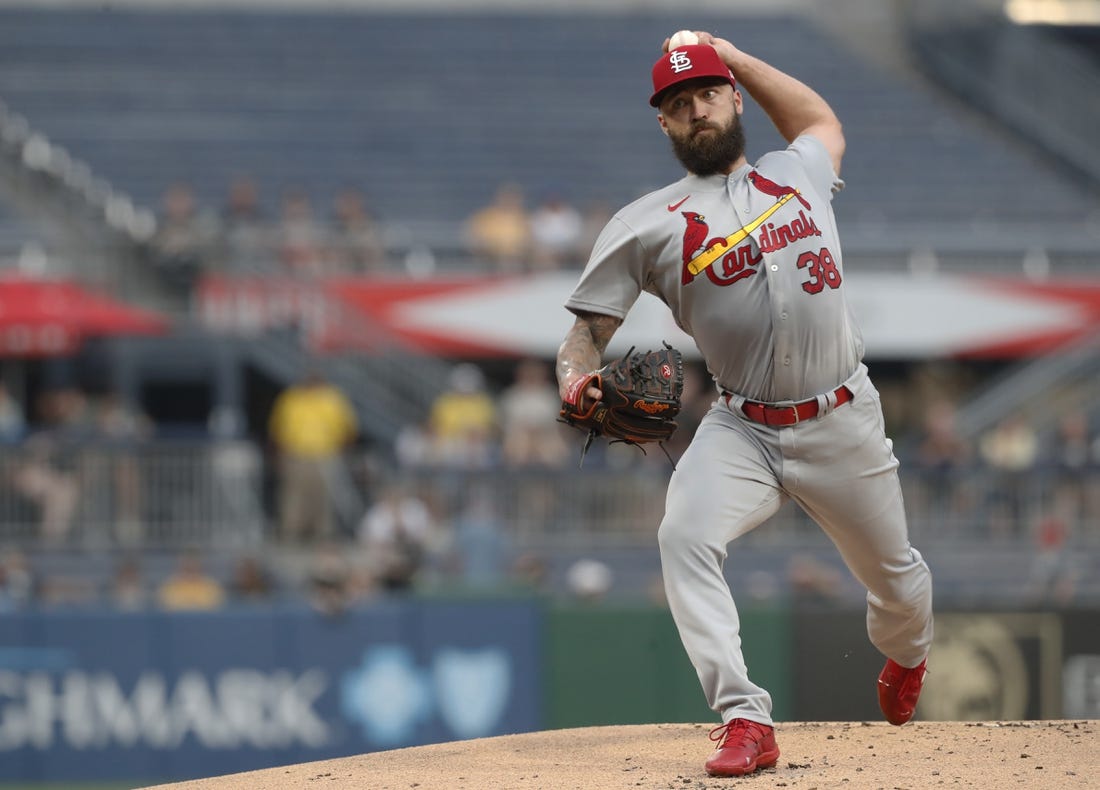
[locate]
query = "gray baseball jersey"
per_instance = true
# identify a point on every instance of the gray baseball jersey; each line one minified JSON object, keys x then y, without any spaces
{"x":735,"y":258}
{"x":750,"y":266}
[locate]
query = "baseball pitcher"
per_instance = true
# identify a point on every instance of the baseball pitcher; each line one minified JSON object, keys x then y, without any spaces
{"x":747,"y":257}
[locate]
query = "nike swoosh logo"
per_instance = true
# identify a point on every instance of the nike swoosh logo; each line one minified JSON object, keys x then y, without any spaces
{"x":673,"y":206}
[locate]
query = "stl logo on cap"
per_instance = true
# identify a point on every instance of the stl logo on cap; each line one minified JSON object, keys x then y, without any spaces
{"x":679,"y":61}
{"x":685,"y":63}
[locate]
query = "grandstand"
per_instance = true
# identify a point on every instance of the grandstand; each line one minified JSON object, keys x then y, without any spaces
{"x":315,"y":100}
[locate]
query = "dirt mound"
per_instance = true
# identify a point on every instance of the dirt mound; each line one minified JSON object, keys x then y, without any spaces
{"x":848,"y":755}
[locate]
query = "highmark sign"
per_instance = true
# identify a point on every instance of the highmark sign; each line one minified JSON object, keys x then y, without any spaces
{"x":160,"y":697}
{"x":228,"y":710}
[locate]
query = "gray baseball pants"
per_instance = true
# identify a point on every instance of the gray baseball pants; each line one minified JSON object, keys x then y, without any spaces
{"x":840,"y":468}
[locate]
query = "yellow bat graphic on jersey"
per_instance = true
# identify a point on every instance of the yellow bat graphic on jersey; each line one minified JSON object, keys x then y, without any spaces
{"x":716,"y":251}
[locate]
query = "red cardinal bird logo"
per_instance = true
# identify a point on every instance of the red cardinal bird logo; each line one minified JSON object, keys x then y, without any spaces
{"x":769,"y":187}
{"x":695,"y":234}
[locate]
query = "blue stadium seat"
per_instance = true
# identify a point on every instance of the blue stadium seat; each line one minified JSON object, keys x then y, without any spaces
{"x":429,"y":127}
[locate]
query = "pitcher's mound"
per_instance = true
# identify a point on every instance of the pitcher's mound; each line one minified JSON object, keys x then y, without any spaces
{"x":852,"y":756}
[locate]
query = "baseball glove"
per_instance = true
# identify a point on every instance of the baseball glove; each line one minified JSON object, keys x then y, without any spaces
{"x":641,"y":398}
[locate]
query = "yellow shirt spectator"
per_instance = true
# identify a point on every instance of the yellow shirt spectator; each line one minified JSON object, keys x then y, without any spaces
{"x":189,"y":587}
{"x":312,"y":420}
{"x":501,"y":230}
{"x":463,"y":420}
{"x":457,"y":415}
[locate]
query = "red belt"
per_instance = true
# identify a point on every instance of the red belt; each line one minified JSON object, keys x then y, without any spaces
{"x":788,"y":415}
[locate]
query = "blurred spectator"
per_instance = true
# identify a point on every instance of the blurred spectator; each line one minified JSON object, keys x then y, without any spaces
{"x":414,"y":446}
{"x":49,"y":485}
{"x":329,"y":584}
{"x":1074,"y":449}
{"x":301,"y":239}
{"x":251,"y":582}
{"x":1073,"y":464}
{"x":182,"y":243}
{"x":595,"y":218}
{"x":532,"y":438}
{"x":311,"y":424}
{"x":942,"y":488}
{"x":463,"y":421}
{"x":245,"y":232}
{"x":589,"y":580}
{"x":65,"y":588}
{"x":531,"y":433}
{"x":119,"y":430}
{"x":19,"y":585}
{"x":13,"y":425}
{"x":399,"y":534}
{"x":190,"y":587}
{"x":530,"y":572}
{"x":237,"y":467}
{"x":481,"y":545}
{"x":66,"y":413}
{"x":356,"y":242}
{"x":1054,"y":573}
{"x":940,"y":447}
{"x":128,"y":589}
{"x":46,"y":472}
{"x":1010,"y":452}
{"x":556,"y":232}
{"x":120,"y":423}
{"x":500,"y":232}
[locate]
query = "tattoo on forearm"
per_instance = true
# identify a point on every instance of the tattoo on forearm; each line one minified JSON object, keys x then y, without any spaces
{"x":602,"y":328}
{"x":583,"y":347}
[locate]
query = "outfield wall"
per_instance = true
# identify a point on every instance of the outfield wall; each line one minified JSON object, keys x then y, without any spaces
{"x":149,"y":697}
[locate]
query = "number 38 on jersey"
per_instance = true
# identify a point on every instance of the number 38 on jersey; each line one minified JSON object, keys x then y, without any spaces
{"x":822,"y":271}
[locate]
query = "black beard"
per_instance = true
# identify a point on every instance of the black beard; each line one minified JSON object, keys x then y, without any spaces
{"x":713,"y":153}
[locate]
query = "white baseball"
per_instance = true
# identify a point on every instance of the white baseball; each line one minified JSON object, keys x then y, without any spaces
{"x":682,"y":38}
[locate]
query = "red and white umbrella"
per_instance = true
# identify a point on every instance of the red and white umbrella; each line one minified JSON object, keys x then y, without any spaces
{"x":53,"y":317}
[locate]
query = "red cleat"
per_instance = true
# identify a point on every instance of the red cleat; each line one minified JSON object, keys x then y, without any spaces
{"x":898,"y":690}
{"x":743,"y":747}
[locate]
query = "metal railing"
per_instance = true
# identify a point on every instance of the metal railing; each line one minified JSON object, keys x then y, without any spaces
{"x":56,"y":493}
{"x":221,"y":494}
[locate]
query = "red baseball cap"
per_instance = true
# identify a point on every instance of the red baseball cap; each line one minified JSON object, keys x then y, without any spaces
{"x":687,"y":63}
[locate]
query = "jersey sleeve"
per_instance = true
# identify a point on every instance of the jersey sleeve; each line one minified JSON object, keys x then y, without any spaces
{"x":815,"y":160}
{"x":615,"y":274}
